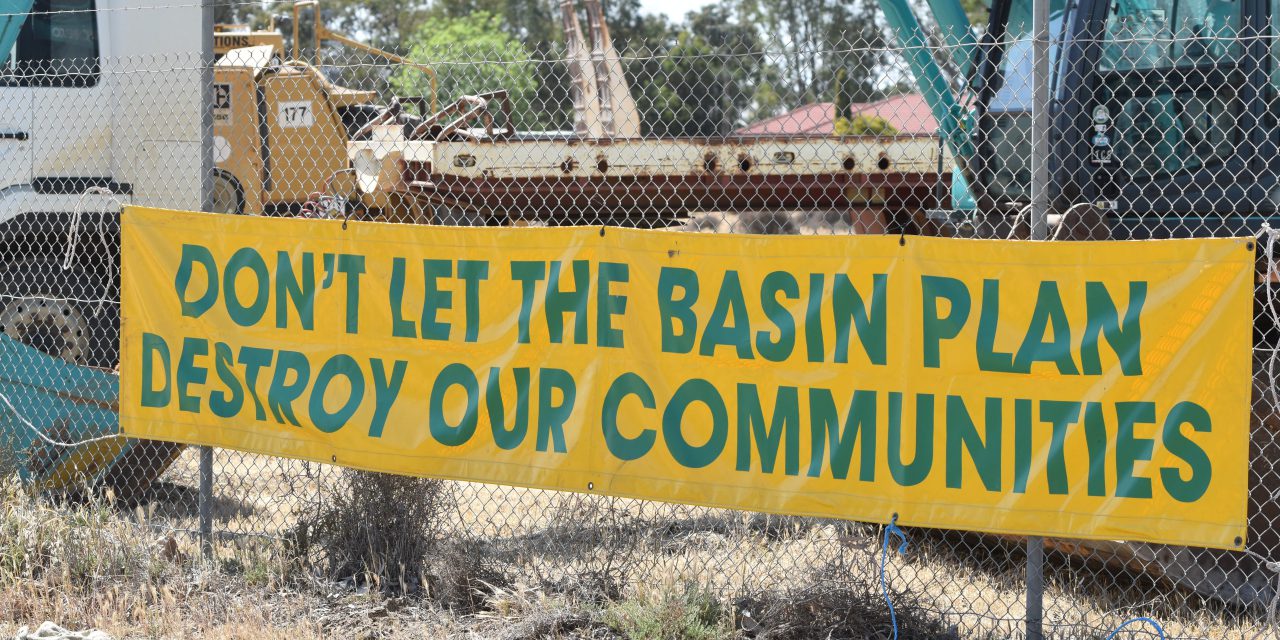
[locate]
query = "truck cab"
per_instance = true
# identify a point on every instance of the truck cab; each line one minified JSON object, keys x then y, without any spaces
{"x":99,"y":107}
{"x":1159,"y":108}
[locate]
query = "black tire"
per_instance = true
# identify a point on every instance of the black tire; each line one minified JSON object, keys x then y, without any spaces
{"x":72,"y":314}
{"x":228,"y":195}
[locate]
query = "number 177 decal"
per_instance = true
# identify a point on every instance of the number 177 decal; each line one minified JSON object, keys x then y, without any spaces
{"x":297,"y":113}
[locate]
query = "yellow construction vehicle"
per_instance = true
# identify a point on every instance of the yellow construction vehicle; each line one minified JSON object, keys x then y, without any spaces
{"x":281,"y":128}
{"x":239,"y":36}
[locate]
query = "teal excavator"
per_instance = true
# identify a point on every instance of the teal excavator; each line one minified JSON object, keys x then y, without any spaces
{"x":1162,"y":123}
{"x":1163,"y":114}
{"x":13,"y":13}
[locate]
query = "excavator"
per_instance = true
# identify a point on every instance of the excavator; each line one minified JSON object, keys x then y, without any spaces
{"x":1163,"y":114}
{"x":1163,"y":123}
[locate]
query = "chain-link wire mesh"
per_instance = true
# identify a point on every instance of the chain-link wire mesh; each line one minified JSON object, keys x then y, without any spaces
{"x":774,"y":118}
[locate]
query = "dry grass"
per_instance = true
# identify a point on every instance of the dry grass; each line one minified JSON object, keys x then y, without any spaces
{"x":93,"y":565}
{"x":525,"y":564}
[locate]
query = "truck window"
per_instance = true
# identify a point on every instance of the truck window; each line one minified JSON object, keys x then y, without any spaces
{"x":1275,"y":48}
{"x":1162,"y":34}
{"x":1014,"y":90}
{"x":58,"y":45}
{"x":1010,"y":106}
{"x":1171,"y":73}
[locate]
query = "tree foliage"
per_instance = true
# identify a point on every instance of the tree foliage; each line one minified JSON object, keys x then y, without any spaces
{"x":864,"y":125}
{"x":818,"y":38}
{"x":707,"y":72}
{"x":472,"y":54}
{"x":711,"y":75}
{"x":386,"y":24}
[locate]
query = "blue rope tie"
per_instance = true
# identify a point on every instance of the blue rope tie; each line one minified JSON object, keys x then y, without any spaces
{"x":889,"y":531}
{"x":1151,"y":621}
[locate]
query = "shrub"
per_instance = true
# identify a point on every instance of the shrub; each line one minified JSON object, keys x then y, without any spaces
{"x":375,"y":528}
{"x":864,"y":125}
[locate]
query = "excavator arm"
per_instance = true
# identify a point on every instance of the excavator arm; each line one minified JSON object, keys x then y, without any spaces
{"x":957,"y":34}
{"x":602,"y":102}
{"x":13,"y":14}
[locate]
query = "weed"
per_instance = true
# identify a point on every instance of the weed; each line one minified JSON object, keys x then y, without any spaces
{"x":462,"y":575}
{"x":679,"y":611}
{"x":387,"y":531}
{"x":76,"y":546}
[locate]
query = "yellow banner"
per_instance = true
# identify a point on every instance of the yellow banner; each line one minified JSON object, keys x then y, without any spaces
{"x":1090,"y":390}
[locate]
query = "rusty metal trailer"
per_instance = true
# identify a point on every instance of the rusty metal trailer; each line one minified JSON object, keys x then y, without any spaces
{"x":489,"y":174}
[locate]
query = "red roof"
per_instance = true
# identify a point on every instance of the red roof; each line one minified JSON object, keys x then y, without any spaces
{"x":815,"y":119}
{"x":908,"y":113}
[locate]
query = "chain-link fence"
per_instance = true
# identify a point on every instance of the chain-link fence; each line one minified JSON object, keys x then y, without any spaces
{"x":1159,"y":120}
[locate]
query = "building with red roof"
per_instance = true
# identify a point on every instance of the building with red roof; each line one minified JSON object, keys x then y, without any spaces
{"x":812,"y":119}
{"x":908,"y":113}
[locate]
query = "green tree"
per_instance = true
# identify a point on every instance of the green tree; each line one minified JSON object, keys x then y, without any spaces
{"x":977,"y":11}
{"x":638,"y":37}
{"x":813,"y":39}
{"x":741,"y":61}
{"x":472,"y":54}
{"x":706,"y":82}
{"x":687,"y":97}
{"x":257,"y":16}
{"x":531,"y":21}
{"x":536,"y":23}
{"x":841,"y":99}
{"x":385,"y":24}
{"x":854,"y":45}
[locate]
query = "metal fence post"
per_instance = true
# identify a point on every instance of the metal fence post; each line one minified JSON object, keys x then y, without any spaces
{"x":207,"y":166}
{"x":1039,"y":231}
{"x":1035,"y":588}
{"x":1040,"y":121}
{"x":206,"y":204}
{"x":206,"y":501}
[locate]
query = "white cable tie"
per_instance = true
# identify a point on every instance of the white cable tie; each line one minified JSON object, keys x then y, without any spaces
{"x":73,"y":233}
{"x":1013,"y":230}
{"x":1062,"y":222}
{"x":1271,"y":234}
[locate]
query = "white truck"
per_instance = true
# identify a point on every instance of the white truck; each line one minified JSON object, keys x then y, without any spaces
{"x":100,"y":105}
